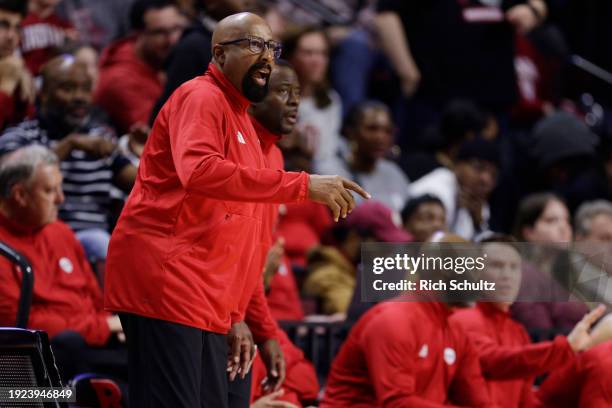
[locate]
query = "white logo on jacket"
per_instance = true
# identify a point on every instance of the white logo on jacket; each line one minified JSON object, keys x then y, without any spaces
{"x":240,"y":138}
{"x":66,"y":265}
{"x":424,"y":351}
{"x":449,"y":356}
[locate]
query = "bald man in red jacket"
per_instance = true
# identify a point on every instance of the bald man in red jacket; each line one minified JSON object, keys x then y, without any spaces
{"x":183,"y":260}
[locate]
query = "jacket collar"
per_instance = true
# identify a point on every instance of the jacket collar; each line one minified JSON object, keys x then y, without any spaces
{"x":490,"y":310}
{"x":238,"y":100}
{"x":439,"y":310}
{"x":266,"y":137}
{"x":17,"y":228}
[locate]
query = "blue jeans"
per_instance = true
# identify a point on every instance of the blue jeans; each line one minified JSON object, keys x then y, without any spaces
{"x":95,"y":243}
{"x":352,"y":62}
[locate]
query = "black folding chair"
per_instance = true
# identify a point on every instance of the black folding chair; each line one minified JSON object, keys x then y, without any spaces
{"x":27,"y":283}
{"x":26,"y":359}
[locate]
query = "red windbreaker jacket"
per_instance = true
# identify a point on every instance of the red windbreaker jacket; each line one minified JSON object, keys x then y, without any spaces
{"x":185,"y":243}
{"x":258,"y":314}
{"x":406,"y":354}
{"x":66,"y":293}
{"x":586,"y":382}
{"x":508,"y":359}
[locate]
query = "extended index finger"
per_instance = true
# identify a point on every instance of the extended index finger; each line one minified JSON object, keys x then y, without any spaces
{"x":356,"y":188}
{"x":593,"y":315}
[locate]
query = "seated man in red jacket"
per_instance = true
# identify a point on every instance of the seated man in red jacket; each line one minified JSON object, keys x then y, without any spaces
{"x":66,"y":296}
{"x":584,"y":383}
{"x":407,"y":354}
{"x":508,"y":359}
{"x":131,"y":69}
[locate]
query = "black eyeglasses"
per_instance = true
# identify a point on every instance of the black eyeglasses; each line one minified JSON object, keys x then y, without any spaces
{"x":257,"y":45}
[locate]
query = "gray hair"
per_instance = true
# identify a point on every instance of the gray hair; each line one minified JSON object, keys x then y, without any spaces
{"x":589,"y":210}
{"x":19,"y":166}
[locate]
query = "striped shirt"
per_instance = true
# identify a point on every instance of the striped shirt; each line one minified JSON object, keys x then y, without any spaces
{"x":88,"y":180}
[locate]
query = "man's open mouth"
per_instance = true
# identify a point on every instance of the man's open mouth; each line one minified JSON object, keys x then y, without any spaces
{"x":261,"y":76}
{"x":291,"y":117}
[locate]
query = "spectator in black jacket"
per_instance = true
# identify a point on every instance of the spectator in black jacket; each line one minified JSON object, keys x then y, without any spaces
{"x":192,"y":54}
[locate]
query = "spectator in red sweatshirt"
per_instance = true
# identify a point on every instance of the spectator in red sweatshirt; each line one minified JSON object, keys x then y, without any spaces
{"x":44,"y":33}
{"x":16,"y":86}
{"x":131,"y":75}
{"x":407,"y":354}
{"x":509,"y":361}
{"x":66,"y":295}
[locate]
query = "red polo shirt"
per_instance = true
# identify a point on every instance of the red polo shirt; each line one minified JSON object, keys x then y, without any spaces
{"x":508,"y":359}
{"x":189,"y":235}
{"x":66,"y":294}
{"x":406,"y":354}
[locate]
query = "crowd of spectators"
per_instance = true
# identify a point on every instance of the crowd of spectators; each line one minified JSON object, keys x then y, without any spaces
{"x":467,"y":118}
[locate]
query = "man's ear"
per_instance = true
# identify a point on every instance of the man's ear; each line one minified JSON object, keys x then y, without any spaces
{"x":20,"y":194}
{"x":219,"y":54}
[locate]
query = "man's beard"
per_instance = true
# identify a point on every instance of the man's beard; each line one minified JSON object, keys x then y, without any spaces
{"x":63,"y":119}
{"x":250,"y":89}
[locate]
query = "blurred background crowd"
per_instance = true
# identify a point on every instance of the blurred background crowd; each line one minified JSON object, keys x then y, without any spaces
{"x":461,"y":116}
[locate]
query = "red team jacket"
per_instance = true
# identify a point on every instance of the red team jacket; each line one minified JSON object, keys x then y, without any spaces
{"x":586,"y":382}
{"x":66,"y":294}
{"x":406,"y":354}
{"x":195,"y":214}
{"x":283,"y":298}
{"x":258,"y":315}
{"x":301,"y":383}
{"x":508,"y":359}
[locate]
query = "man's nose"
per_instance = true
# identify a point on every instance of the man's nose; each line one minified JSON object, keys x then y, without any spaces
{"x":267,"y":55}
{"x":294,"y":98}
{"x":59,"y":196}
